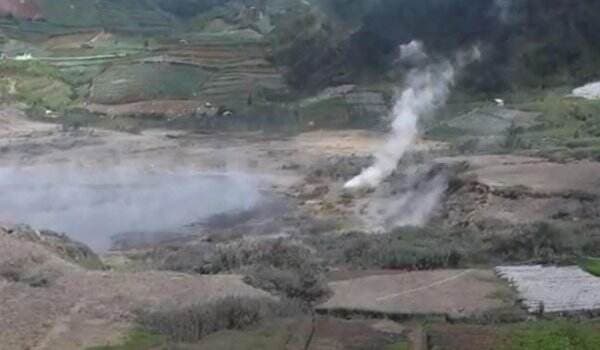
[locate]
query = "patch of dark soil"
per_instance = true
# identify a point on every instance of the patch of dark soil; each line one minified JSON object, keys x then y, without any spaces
{"x":265,"y":211}
{"x":463,"y":337}
{"x":352,"y":334}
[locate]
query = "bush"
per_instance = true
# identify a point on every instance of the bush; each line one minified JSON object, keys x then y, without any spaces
{"x":408,"y":248}
{"x":591,"y":265}
{"x":213,"y":259}
{"x":304,"y":283}
{"x":539,"y":242}
{"x":192,"y":323}
{"x":285,"y":268}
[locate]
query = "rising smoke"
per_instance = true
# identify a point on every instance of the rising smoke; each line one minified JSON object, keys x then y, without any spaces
{"x":91,"y":205}
{"x":413,"y":204}
{"x":428,"y":87}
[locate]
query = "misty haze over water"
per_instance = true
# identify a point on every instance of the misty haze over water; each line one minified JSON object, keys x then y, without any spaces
{"x":91,"y":205}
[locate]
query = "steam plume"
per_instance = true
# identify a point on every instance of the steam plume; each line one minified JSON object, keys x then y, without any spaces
{"x":427,"y":89}
{"x":91,"y":206}
{"x":413,"y":206}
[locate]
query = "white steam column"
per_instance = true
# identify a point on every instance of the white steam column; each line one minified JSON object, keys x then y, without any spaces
{"x":427,"y":89}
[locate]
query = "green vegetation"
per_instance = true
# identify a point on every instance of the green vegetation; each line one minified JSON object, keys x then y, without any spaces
{"x":137,"y":340}
{"x":271,"y":338}
{"x":441,"y":247}
{"x":192,"y":323}
{"x":32,"y":68}
{"x":557,"y":335}
{"x":550,"y":125}
{"x":202,"y":20}
{"x":329,"y":113}
{"x":130,"y":83}
{"x":568,"y":127}
{"x":34,"y":83}
{"x":407,"y":248}
{"x":288,"y":269}
{"x":123,"y":15}
{"x":591,"y":265}
{"x":539,"y":242}
{"x":393,"y":252}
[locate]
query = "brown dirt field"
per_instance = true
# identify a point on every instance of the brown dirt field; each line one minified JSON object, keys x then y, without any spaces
{"x":520,"y":190}
{"x":341,"y":334}
{"x":458,"y":293}
{"x":536,"y":174}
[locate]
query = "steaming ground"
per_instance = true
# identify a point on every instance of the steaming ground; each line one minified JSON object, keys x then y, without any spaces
{"x":91,"y":205}
{"x":93,"y":184}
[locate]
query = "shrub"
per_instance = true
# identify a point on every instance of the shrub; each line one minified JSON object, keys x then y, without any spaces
{"x":304,"y":283}
{"x":192,"y":323}
{"x":284,"y":268}
{"x":408,"y":248}
{"x":591,"y":265}
{"x":539,"y":242}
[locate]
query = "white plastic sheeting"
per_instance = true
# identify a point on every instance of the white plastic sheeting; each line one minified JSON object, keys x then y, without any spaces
{"x":556,"y":289}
